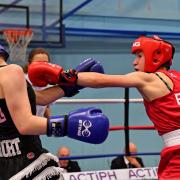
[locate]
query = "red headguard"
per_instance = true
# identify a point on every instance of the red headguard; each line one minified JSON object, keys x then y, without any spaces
{"x":156,"y":52}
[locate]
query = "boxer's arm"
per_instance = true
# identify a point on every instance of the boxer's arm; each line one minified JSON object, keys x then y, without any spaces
{"x":98,"y":80}
{"x":15,"y":92}
{"x":48,"y":95}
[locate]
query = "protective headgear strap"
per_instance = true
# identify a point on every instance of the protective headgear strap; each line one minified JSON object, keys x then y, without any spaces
{"x":156,"y":51}
{"x":4,"y":53}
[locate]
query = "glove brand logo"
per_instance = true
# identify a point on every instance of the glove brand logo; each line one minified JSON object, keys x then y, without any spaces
{"x":86,"y":125}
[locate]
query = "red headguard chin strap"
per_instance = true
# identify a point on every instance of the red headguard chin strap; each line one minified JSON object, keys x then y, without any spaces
{"x":156,"y":51}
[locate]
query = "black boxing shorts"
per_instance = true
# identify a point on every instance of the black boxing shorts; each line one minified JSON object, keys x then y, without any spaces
{"x":45,"y":166}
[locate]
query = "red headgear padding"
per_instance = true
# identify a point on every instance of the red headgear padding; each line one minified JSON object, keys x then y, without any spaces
{"x":156,"y":52}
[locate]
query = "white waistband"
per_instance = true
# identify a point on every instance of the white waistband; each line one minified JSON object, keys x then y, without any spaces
{"x":171,"y":138}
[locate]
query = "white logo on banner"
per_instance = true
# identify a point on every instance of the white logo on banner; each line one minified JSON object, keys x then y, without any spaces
{"x":121,"y":174}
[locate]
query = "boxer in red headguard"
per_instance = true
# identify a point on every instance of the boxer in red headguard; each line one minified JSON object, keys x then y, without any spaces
{"x":160,"y":89}
{"x":158,"y":85}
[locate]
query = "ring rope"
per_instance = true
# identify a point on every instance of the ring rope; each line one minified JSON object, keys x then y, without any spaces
{"x":107,"y":155}
{"x":116,"y":128}
{"x":98,"y":101}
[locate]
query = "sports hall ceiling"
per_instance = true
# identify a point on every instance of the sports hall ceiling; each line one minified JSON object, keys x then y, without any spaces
{"x":94,"y":18}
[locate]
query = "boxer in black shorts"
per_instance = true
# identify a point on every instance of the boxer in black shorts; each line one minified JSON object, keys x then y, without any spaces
{"x":21,"y":153}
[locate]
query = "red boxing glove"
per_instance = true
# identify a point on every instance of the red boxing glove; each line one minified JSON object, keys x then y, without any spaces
{"x":43,"y":73}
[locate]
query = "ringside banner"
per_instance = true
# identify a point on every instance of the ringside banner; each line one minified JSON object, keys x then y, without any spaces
{"x":121,"y":174}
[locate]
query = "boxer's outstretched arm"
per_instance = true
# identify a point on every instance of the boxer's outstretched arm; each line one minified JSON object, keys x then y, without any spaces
{"x":98,"y":80}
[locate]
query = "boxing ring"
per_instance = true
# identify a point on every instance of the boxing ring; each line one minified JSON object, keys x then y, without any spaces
{"x":119,"y":174}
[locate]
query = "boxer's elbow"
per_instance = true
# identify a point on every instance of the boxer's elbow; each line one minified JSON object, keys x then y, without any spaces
{"x":23,"y":130}
{"x":25,"y":126}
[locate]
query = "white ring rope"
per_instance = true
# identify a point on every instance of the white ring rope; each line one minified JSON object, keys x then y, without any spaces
{"x":72,"y":101}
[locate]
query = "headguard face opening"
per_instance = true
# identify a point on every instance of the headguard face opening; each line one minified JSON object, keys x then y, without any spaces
{"x":4,"y":53}
{"x":156,"y":52}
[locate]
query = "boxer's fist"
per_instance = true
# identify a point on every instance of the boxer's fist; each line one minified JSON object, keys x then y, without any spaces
{"x":88,"y":65}
{"x":43,"y":73}
{"x":68,"y":77}
{"x":86,"y":124}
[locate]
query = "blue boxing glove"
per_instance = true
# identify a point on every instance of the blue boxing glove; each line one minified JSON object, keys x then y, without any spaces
{"x":87,"y":124}
{"x":88,"y":65}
